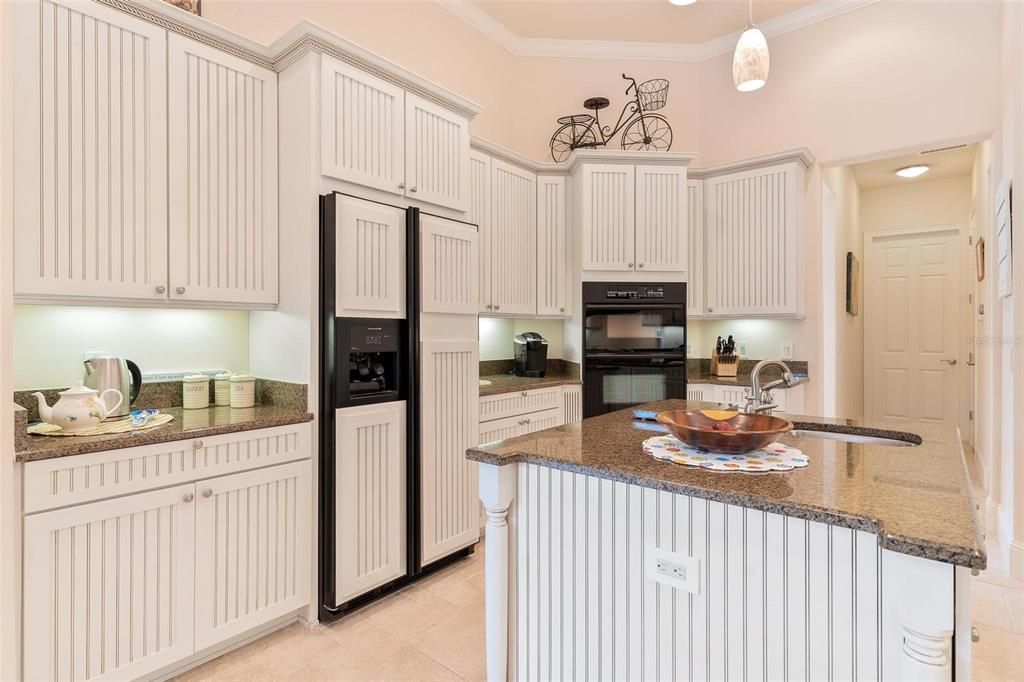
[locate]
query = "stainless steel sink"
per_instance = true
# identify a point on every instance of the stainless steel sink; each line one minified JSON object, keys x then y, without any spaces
{"x":853,"y":438}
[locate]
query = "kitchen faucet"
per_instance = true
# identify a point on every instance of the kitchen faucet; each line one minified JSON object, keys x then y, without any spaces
{"x":760,"y":398}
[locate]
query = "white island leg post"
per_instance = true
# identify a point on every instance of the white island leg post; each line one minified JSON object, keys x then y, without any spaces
{"x":497,"y":489}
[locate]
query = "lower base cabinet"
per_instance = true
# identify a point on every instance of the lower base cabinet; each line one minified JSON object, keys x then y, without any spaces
{"x":129,"y":586}
{"x":788,"y":400}
{"x":507,"y":415}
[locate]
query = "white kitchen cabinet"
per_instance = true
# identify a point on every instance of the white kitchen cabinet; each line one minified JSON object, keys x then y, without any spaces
{"x":607,"y":217}
{"x":222,"y":135}
{"x":754,"y":234}
{"x":517,"y":403}
{"x":252,"y":550}
{"x":572,"y":403}
{"x":449,"y":263}
{"x":513,"y":242}
{"x":370,"y":253}
{"x":90,"y":189}
{"x":695,"y":251}
{"x":553,"y":262}
{"x":661,"y":219}
{"x":506,"y":415}
{"x":436,"y":154}
{"x":362,"y":127}
{"x":510,"y":427}
{"x":376,"y":134}
{"x":479,"y":213}
{"x":731,"y":395}
{"x":449,"y":490}
{"x":700,"y":392}
{"x":108,"y":587}
{"x":370,"y":480}
{"x":787,"y":399}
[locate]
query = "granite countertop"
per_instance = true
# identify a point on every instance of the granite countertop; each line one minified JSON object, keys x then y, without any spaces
{"x":917,"y":500}
{"x":509,"y":383}
{"x":187,"y":424}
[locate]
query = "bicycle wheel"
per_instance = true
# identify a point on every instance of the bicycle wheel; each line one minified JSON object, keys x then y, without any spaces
{"x":571,"y":136}
{"x":649,"y":132}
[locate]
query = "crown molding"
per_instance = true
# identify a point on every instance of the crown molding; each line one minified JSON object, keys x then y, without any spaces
{"x":801,"y":155}
{"x":611,"y":49}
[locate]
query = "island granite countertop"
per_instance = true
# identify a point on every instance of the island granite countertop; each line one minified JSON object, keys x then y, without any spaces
{"x":187,"y":424}
{"x":917,"y":500}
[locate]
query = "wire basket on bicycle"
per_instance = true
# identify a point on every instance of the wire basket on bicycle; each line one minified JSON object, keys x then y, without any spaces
{"x":653,"y":94}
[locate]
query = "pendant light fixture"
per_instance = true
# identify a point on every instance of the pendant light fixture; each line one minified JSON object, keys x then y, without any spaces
{"x":750,"y":60}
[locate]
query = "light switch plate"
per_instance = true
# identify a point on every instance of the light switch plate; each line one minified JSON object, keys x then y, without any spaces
{"x":741,"y":348}
{"x":675,"y":570}
{"x":787,"y":351}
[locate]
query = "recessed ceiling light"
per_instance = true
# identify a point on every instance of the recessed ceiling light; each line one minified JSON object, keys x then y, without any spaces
{"x":681,"y":3}
{"x":912,"y":171}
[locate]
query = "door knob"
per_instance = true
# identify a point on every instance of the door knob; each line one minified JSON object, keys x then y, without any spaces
{"x":949,"y":362}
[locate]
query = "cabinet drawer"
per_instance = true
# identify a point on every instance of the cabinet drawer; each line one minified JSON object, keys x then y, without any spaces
{"x":511,"y":404}
{"x":72,"y":480}
{"x":510,"y":427}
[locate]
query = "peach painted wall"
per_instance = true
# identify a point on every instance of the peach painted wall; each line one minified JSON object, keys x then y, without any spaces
{"x":946,"y":201}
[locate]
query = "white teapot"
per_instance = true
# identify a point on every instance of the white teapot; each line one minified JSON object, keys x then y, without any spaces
{"x":79,"y":408}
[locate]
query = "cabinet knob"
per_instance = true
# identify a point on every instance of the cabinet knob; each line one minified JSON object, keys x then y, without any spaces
{"x":188,"y":497}
{"x":561,"y":310}
{"x":629,"y":265}
{"x":496,"y":307}
{"x":527,"y":421}
{"x":401,"y":185}
{"x":641,"y":264}
{"x":412,"y":189}
{"x":179,"y":290}
{"x":490,"y":307}
{"x":160,"y":289}
{"x":710,"y":310}
{"x":208,"y":492}
{"x":196,"y":444}
{"x":523,"y":394}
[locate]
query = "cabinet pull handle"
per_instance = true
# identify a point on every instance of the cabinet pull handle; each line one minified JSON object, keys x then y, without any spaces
{"x":527,"y":421}
{"x":401,"y":185}
{"x":179,"y":290}
{"x":490,"y":307}
{"x":412,"y":189}
{"x":496,"y":307}
{"x":208,"y":492}
{"x":196,"y":444}
{"x":188,"y":497}
{"x":641,"y":264}
{"x":523,"y":394}
{"x":160,"y":288}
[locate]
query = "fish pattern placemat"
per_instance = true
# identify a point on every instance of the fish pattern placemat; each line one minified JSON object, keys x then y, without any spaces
{"x":774,"y":457}
{"x":103,"y":428}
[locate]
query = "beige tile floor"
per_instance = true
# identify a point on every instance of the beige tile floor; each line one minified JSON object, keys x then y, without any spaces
{"x":434,"y":630}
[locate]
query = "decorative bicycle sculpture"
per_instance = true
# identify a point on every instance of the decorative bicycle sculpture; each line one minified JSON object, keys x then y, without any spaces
{"x":641,"y":130}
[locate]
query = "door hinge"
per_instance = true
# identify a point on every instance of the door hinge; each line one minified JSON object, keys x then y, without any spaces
{"x":970,"y":415}
{"x":970,"y":298}
{"x":970,"y":240}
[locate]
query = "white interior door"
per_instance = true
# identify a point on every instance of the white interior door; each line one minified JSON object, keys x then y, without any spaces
{"x":911,"y":325}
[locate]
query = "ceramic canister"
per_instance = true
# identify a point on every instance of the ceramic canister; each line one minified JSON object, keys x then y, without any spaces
{"x":222,"y":389}
{"x":195,"y":392}
{"x":243,"y":390}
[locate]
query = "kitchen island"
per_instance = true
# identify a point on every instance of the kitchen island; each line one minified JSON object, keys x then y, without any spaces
{"x":605,"y":563}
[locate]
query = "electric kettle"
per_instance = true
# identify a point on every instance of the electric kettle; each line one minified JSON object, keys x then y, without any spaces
{"x":103,"y":373}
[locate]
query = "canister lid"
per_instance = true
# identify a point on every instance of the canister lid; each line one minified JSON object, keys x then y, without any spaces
{"x":223,"y":376}
{"x":194,"y":378}
{"x":243,"y":377}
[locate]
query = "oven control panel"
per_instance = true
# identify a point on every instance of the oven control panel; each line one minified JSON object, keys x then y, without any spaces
{"x":636,"y":293}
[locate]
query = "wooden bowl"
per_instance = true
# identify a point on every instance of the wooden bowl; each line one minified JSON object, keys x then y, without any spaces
{"x":753,"y":431}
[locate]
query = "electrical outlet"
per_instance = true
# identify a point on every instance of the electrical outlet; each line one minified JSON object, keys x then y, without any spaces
{"x":787,"y":351}
{"x":741,"y":348}
{"x":689,"y":350}
{"x":675,"y":570}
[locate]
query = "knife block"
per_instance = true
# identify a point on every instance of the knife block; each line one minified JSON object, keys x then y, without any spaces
{"x":724,"y":365}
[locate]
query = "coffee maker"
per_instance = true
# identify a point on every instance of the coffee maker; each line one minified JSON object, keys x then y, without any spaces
{"x":531,"y":354}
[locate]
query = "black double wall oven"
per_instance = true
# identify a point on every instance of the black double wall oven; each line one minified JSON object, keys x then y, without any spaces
{"x":634,"y":344}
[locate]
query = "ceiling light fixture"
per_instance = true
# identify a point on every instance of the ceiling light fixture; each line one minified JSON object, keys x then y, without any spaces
{"x":750,"y":60}
{"x":912,"y":171}
{"x":683,"y":3}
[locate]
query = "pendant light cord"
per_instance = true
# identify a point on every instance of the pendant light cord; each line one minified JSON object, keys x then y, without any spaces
{"x":750,"y":14}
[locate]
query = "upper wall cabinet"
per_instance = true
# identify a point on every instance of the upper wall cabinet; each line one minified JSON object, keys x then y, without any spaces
{"x":479,"y":213}
{"x":607,"y":216}
{"x":223,"y":179}
{"x":553,"y":262}
{"x":377,"y":135}
{"x":108,"y":104}
{"x":362,"y":127}
{"x":754,"y":234}
{"x":661,"y":218}
{"x":91,"y":155}
{"x":695,"y":251}
{"x":512,"y":259}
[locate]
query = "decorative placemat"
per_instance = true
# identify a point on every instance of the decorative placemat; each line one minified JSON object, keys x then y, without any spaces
{"x":774,"y":457}
{"x":123,"y":425}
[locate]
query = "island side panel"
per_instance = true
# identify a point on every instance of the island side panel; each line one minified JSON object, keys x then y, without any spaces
{"x":766,"y":596}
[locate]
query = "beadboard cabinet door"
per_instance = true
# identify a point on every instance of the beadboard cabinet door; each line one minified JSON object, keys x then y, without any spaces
{"x":222,"y":136}
{"x":695,"y":252}
{"x":449,"y":488}
{"x":370,"y":252}
{"x":108,"y":587}
{"x":754,"y":249}
{"x":513,"y":243}
{"x":362,"y":127}
{"x":661,"y":219}
{"x":90,"y":190}
{"x":553,"y":262}
{"x":370,"y":483}
{"x":449,"y":265}
{"x":252,"y":550}
{"x":436,"y":154}
{"x":607,"y":217}
{"x":479,"y":213}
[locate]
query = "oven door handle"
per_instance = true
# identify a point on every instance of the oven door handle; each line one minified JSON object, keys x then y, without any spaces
{"x":637,"y":367}
{"x":680,"y":357}
{"x":632,"y":304}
